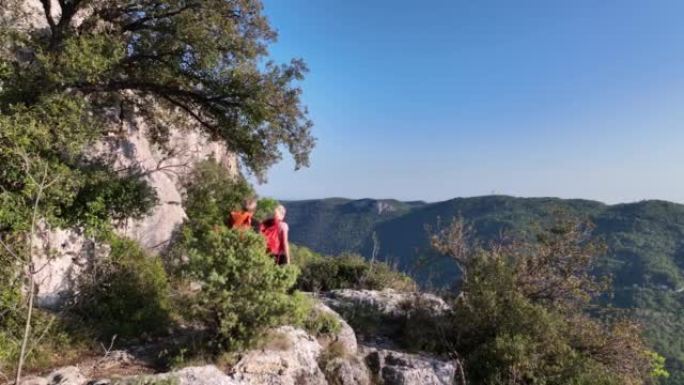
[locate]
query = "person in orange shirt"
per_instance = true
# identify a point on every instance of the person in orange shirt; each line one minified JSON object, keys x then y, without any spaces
{"x":242,"y":220}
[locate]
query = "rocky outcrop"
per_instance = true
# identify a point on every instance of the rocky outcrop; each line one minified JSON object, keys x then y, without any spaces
{"x":345,"y":338}
{"x":395,"y":368}
{"x":60,"y":257}
{"x":69,"y":375}
{"x":164,"y":171}
{"x":381,"y":317}
{"x":63,"y":253}
{"x":290,"y":358}
{"x":347,"y":371}
{"x":388,"y":302}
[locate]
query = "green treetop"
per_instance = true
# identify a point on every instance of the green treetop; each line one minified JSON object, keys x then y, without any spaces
{"x":198,"y":61}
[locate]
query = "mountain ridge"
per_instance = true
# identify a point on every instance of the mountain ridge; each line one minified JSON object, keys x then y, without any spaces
{"x":645,"y":242}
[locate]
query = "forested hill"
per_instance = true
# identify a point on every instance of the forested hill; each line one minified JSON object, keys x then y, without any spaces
{"x":645,"y":239}
{"x":645,"y":245}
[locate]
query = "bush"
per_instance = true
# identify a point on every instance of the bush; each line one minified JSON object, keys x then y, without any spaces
{"x":265,"y":209}
{"x":212,"y":193}
{"x":126,"y":294}
{"x":522,"y":317}
{"x":349,"y":271}
{"x":243,"y":292}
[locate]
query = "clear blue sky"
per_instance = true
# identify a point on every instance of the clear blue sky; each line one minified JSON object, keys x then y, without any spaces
{"x":437,"y":99}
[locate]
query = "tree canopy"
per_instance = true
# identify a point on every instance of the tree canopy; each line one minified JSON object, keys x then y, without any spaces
{"x":199,"y":61}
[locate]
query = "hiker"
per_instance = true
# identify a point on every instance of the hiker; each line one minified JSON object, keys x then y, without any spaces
{"x":275,"y":230}
{"x":242,"y":220}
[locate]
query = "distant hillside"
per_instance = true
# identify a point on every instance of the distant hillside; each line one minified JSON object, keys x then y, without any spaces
{"x":645,"y":240}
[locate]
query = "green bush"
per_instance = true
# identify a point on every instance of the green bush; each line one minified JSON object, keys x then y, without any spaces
{"x":522,"y":317}
{"x":126,"y":294}
{"x":242,"y":291}
{"x":265,"y":209}
{"x":349,"y":271}
{"x":211,"y":193}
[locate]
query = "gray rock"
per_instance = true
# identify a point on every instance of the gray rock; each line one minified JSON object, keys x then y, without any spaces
{"x":203,"y":375}
{"x":200,"y":375}
{"x":387,"y":302}
{"x":345,"y":337}
{"x":69,"y":375}
{"x":33,"y":380}
{"x":62,"y":254}
{"x":347,"y":371}
{"x":395,"y":368}
{"x":290,"y":358}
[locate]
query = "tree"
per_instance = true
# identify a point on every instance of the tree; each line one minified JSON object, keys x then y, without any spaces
{"x":74,"y":71}
{"x":200,"y":61}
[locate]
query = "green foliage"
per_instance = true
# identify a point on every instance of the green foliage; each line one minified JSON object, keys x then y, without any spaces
{"x":211,"y":194}
{"x":243,"y":292}
{"x":316,"y":321}
{"x":265,"y":209}
{"x":206,"y":62}
{"x":521,"y":317}
{"x":349,"y":271}
{"x":106,"y":197}
{"x":57,"y":345}
{"x":125,"y":294}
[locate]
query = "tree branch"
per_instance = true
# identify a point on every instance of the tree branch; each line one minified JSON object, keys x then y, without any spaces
{"x":140,"y":23}
{"x":48,"y":14}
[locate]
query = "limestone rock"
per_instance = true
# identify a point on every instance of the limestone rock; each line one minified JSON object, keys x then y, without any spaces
{"x":386,"y":302}
{"x":347,"y":371}
{"x":33,"y":380}
{"x":62,"y":254}
{"x":396,"y":368}
{"x":345,"y":337}
{"x":203,"y":375}
{"x":291,"y":358}
{"x":69,"y":375}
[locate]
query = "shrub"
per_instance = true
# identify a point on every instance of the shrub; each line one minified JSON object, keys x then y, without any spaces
{"x":265,"y":208}
{"x":243,"y":292}
{"x":349,"y":271}
{"x":126,"y":294}
{"x":522,"y":316}
{"x":211,"y":194}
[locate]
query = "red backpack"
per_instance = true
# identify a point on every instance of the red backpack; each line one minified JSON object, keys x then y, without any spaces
{"x":271,"y":231}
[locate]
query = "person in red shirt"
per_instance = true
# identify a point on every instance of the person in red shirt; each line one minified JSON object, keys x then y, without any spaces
{"x":275,"y":230}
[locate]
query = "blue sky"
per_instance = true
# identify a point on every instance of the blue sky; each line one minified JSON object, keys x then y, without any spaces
{"x":437,"y":99}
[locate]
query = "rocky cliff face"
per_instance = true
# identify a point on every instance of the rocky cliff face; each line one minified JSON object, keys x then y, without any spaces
{"x":129,"y":147}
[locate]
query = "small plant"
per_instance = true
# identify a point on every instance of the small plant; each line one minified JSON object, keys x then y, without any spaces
{"x":125,"y":294}
{"x":349,"y":271}
{"x":322,"y":324}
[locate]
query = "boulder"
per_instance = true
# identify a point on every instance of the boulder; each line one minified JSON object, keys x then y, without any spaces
{"x":345,"y":337}
{"x":202,"y":375}
{"x":289,"y":358}
{"x":389,"y":367}
{"x":381,"y":316}
{"x":386,"y":302}
{"x":69,"y":375}
{"x":33,"y":380}
{"x":347,"y":371}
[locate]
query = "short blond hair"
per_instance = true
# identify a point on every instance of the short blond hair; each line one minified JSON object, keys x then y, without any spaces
{"x":280,"y":212}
